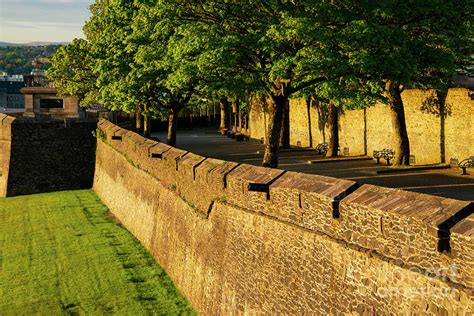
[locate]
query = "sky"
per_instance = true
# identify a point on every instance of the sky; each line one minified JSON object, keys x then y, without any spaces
{"x":23,"y":21}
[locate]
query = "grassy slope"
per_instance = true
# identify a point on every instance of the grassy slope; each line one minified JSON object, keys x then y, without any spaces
{"x":61,"y":253}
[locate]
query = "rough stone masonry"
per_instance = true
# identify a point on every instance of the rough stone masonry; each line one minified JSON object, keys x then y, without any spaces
{"x":45,"y":155}
{"x":243,"y":239}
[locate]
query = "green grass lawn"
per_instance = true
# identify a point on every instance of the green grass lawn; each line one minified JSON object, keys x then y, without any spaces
{"x":61,"y":253}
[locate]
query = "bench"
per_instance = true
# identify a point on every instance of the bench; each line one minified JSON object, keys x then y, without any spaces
{"x":322,"y":149}
{"x":239,"y":137}
{"x":385,"y":153}
{"x":466,"y":163}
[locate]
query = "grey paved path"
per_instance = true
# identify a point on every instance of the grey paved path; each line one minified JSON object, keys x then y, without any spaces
{"x":447,"y":182}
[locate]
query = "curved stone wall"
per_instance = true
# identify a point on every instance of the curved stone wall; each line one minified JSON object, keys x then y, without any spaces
{"x":245,"y":239}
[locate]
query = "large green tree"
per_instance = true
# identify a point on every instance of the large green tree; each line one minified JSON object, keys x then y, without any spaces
{"x":275,"y":48}
{"x":98,"y":67}
{"x":406,"y":44}
{"x":107,"y":31}
{"x":72,"y":71}
{"x":168,"y":64}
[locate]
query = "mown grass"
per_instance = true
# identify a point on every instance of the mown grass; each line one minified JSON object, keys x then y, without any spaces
{"x":61,"y":253}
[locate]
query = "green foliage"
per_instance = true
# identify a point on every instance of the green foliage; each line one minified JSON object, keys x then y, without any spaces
{"x":72,"y":71}
{"x":63,"y":254}
{"x":417,"y":44}
{"x":252,"y":44}
{"x":168,"y":54}
{"x":107,"y":31}
{"x":99,"y":133}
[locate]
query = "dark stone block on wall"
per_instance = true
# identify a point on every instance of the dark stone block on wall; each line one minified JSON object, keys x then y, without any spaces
{"x":49,"y":155}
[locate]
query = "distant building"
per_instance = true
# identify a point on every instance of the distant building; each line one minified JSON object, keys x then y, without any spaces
{"x":11,"y":99}
{"x":5,"y":77}
{"x":43,"y":102}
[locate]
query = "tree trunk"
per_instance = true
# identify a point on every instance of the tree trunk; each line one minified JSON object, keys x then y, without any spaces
{"x":138,"y":119}
{"x":240,"y":121}
{"x":146,"y":122}
{"x":401,"y":142}
{"x":333,"y":121}
{"x":235,"y":108}
{"x":285,"y":127}
{"x":172,"y":125}
{"x":310,"y":134}
{"x":208,"y":115}
{"x":229,"y":119}
{"x":322,"y":117}
{"x":442,"y":95}
{"x":276,"y":107}
{"x":223,"y":107}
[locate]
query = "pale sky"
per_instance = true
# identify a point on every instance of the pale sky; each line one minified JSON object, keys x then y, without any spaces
{"x":23,"y":21}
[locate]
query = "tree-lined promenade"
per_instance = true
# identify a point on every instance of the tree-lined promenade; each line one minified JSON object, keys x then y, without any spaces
{"x":155,"y":58}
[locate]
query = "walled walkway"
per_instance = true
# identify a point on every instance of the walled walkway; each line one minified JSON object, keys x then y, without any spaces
{"x":444,"y":182}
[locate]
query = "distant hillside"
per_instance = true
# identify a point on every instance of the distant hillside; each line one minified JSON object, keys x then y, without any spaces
{"x":16,"y":60}
{"x":32,"y":44}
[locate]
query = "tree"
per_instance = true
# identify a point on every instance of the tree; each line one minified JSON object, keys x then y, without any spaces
{"x":166,"y":66}
{"x":412,"y":44}
{"x":98,"y":68}
{"x":224,"y":108}
{"x":107,"y":31}
{"x":273,"y":47}
{"x":72,"y":71}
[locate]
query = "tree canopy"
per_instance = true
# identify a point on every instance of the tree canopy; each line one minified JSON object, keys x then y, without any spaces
{"x":158,"y":55}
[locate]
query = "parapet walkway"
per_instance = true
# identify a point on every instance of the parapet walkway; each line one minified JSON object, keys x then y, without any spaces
{"x":446,"y":182}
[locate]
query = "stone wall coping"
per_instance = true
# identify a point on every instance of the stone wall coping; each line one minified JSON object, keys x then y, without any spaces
{"x":52,"y":120}
{"x":5,"y":133}
{"x":174,"y":153}
{"x":6,"y":119}
{"x":137,"y":139}
{"x":159,"y":148}
{"x":433,"y":210}
{"x":326,"y":186}
{"x":4,"y":116}
{"x":465,"y":227}
{"x":212,"y":165}
{"x":191,"y":159}
{"x":256,"y":174}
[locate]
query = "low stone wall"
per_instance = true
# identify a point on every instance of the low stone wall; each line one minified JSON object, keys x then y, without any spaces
{"x":365,"y":131}
{"x":44,"y":156}
{"x":245,"y":239}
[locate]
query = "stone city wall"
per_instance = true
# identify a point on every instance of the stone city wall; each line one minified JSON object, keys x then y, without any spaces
{"x":241,"y":239}
{"x":365,"y":131}
{"x":43,"y":156}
